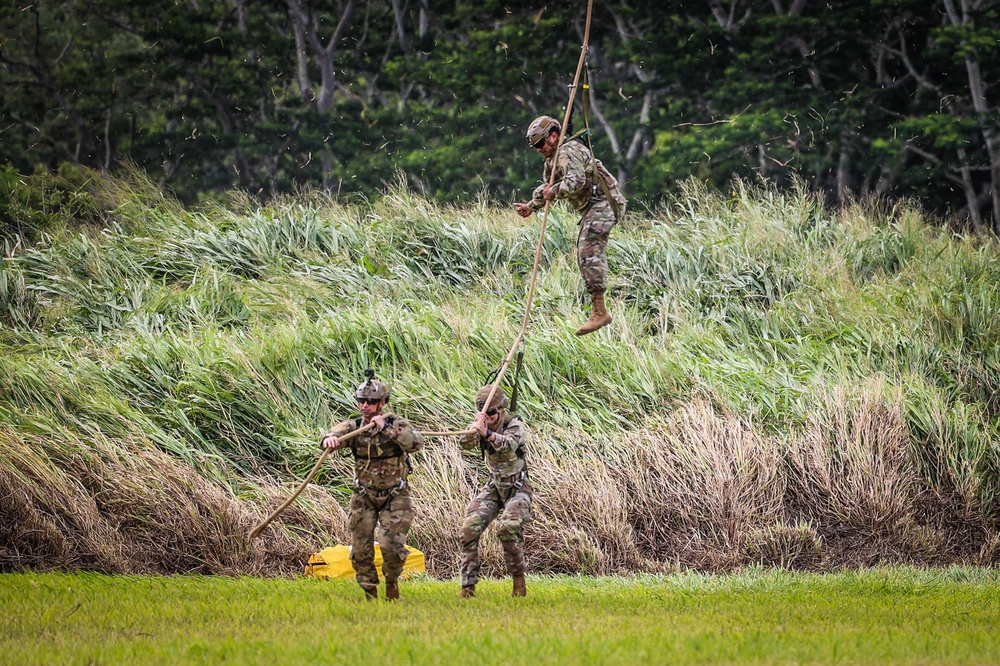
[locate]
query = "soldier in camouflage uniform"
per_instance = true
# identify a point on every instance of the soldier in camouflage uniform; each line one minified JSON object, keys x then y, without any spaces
{"x":501,"y":438}
{"x":593,"y":192}
{"x":381,"y":492}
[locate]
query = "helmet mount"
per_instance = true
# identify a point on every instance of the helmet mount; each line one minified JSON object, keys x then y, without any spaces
{"x":371,"y":388}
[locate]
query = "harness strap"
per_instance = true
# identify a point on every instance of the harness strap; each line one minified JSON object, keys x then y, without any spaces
{"x":519,"y":476}
{"x":585,"y":102}
{"x":398,"y":455}
{"x":383,"y":496}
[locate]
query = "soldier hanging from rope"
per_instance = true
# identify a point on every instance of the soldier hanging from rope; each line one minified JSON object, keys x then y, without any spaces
{"x":588,"y":186}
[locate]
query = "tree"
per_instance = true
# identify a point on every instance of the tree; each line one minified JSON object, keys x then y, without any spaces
{"x":873,"y":97}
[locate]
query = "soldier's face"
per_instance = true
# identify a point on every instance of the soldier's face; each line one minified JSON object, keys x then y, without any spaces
{"x":492,"y":418}
{"x":549,"y":147}
{"x":369,"y":408}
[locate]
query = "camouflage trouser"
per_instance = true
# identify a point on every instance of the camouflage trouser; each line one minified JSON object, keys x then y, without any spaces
{"x":484,"y":507}
{"x":395,"y":515}
{"x":595,"y":227}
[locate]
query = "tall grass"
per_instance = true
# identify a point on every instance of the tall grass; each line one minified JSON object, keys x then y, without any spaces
{"x":782,"y":384}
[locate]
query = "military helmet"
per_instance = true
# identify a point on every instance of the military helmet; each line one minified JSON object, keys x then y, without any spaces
{"x":540,"y":128}
{"x":372,"y":389}
{"x":499,"y":400}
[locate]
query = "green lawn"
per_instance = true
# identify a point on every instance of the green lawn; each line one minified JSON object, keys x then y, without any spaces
{"x":878,"y":616}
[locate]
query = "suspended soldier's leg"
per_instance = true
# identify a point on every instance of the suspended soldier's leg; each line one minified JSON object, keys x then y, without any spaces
{"x":395,"y":518}
{"x":595,"y":228}
{"x":478,"y":515}
{"x":362,"y":525}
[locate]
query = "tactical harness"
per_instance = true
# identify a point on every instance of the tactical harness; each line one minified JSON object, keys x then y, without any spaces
{"x":516,"y":479}
{"x":380,"y":498}
{"x":595,"y":180}
{"x":515,"y":486}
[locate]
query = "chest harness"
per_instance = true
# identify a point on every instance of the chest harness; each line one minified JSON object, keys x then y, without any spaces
{"x":515,"y":480}
{"x":390,"y":449}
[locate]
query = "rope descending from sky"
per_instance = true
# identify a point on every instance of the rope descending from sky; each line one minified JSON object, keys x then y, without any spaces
{"x":527,"y":308}
{"x":545,"y":214}
{"x":309,"y":477}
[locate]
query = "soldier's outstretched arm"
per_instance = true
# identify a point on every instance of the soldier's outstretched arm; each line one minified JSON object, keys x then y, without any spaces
{"x":523,"y":209}
{"x":469,"y":442}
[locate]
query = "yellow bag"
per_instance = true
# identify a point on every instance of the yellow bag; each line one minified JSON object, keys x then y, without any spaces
{"x":335,"y":562}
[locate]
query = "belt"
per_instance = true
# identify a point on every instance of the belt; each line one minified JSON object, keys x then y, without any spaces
{"x":516,"y":480}
{"x":380,"y":494}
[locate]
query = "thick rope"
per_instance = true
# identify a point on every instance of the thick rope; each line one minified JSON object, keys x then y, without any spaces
{"x":545,"y":214}
{"x":527,"y":308}
{"x":274,"y":514}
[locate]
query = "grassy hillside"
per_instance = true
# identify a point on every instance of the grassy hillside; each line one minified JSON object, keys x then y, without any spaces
{"x":781,"y":385}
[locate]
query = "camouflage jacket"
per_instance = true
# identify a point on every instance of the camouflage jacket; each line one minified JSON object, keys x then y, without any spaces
{"x":575,"y":179}
{"x":505,"y":455}
{"x":381,"y":460}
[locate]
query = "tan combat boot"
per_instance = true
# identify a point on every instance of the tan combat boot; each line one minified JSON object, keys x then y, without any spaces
{"x":598,"y":316}
{"x":391,"y":590}
{"x":467,"y":591}
{"x":520,"y":588}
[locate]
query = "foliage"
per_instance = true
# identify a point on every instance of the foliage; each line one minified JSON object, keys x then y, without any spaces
{"x":45,"y":202}
{"x":781,"y":384}
{"x":854,"y":98}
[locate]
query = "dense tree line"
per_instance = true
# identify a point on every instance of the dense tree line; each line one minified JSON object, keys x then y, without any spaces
{"x":855,"y":97}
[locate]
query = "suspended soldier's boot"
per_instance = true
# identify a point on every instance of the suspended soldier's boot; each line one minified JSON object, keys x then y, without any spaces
{"x":391,"y":590}
{"x":598,"y":316}
{"x":467,"y":591}
{"x":371,"y":594}
{"x":520,"y":588}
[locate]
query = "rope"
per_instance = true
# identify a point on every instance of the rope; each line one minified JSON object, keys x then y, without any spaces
{"x":598,"y":178}
{"x":545,"y":214}
{"x":274,"y":514}
{"x":527,"y":308}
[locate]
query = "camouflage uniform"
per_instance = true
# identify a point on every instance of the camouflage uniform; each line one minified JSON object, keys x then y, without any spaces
{"x":508,"y":491}
{"x":381,"y":495}
{"x":575,"y":182}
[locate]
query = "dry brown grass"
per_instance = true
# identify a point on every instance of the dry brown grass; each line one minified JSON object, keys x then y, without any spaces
{"x":703,"y":489}
{"x":141,"y":511}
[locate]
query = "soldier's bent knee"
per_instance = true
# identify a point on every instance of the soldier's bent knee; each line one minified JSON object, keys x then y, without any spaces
{"x":470,"y":533}
{"x":509,"y":532}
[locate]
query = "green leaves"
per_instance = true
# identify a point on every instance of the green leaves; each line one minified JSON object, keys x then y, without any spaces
{"x":855,"y":98}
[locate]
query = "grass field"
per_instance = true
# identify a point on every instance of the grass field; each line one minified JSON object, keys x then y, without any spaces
{"x":873,"y":616}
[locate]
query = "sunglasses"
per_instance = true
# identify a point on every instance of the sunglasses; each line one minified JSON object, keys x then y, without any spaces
{"x":369,"y":401}
{"x":538,"y":144}
{"x":491,"y":412}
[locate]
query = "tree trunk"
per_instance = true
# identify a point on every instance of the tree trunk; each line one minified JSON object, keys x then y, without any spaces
{"x":969,"y":188}
{"x":305,"y":24}
{"x":977,"y":93}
